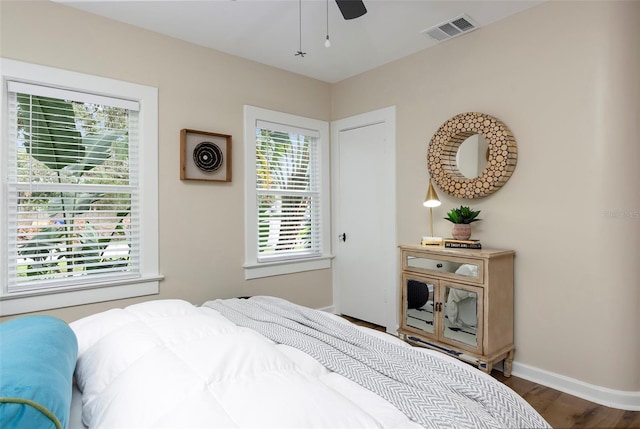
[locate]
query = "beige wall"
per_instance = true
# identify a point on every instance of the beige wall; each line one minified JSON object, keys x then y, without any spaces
{"x":201,"y":224}
{"x":564,"y":77}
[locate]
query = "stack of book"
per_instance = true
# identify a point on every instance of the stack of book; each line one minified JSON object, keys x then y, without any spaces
{"x":431,"y":241}
{"x":462,"y":244}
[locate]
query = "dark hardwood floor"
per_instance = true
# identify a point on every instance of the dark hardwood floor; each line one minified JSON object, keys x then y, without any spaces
{"x":559,"y":409}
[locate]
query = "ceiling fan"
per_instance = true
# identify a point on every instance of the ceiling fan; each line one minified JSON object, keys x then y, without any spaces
{"x":351,"y":9}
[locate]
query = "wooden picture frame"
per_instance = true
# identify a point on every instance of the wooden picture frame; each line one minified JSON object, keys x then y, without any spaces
{"x":205,"y":156}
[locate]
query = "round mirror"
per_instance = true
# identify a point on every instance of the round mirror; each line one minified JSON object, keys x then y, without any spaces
{"x":447,"y":164}
{"x":472,"y":156}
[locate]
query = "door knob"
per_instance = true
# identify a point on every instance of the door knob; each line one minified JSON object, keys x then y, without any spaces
{"x":342,"y":237}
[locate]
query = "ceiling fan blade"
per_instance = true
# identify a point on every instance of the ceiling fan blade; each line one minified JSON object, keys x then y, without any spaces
{"x":351,"y":8}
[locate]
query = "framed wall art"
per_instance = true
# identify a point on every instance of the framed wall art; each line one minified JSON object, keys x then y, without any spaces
{"x":205,"y":156}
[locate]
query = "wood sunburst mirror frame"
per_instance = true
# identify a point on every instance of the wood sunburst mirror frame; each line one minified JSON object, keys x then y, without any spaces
{"x":502,"y":154}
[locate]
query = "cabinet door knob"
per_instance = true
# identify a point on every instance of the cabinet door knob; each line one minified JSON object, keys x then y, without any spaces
{"x":343,"y":237}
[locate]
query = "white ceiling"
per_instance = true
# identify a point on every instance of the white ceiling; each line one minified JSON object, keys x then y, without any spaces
{"x":267,"y":31}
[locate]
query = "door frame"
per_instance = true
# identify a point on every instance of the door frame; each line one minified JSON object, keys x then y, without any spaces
{"x":387,"y":210}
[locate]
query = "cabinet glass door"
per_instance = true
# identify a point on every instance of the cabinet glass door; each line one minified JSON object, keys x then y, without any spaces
{"x":419,"y":302}
{"x":461,"y":315}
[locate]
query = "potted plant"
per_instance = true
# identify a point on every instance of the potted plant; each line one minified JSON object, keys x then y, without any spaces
{"x":462,"y":218}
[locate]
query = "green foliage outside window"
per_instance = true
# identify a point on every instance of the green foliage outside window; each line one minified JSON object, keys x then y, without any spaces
{"x":284,"y":205}
{"x":66,"y":231}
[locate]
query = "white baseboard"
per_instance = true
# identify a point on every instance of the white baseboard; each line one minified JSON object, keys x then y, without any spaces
{"x":600,"y":395}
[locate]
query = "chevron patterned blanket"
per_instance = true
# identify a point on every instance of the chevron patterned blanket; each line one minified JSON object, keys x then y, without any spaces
{"x":429,"y":389}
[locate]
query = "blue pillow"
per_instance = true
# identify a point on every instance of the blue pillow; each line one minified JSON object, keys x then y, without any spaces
{"x":37,"y":358}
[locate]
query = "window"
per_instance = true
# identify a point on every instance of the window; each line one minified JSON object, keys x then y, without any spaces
{"x":79,"y":205}
{"x":286,"y":194}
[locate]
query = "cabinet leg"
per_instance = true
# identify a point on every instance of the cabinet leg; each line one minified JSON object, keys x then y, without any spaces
{"x":508,"y":363}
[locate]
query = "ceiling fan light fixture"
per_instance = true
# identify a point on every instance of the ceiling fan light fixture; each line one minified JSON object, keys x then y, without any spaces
{"x":327,"y":42}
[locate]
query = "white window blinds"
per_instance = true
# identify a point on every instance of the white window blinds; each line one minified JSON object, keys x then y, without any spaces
{"x":72,"y":188}
{"x":287,"y":192}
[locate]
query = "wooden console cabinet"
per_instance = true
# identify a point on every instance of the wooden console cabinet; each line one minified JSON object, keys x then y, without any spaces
{"x":459,"y":301}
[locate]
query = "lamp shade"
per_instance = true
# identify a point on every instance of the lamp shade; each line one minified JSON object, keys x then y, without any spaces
{"x":431,"y":200}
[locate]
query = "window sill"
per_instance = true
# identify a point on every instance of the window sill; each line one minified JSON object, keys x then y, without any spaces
{"x":257,"y":270}
{"x":37,"y":301}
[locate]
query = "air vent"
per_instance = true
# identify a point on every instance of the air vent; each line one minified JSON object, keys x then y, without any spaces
{"x":452,"y":28}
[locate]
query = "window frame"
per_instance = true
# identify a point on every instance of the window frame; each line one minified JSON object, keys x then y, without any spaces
{"x":147,"y":283}
{"x":252,"y":267}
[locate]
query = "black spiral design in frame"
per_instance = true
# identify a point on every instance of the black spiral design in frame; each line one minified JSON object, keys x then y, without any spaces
{"x":207,"y":157}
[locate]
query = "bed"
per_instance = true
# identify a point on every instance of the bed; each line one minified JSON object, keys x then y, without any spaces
{"x":264,"y":362}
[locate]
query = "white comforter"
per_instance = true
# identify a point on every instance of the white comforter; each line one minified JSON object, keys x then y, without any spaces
{"x":169,"y":364}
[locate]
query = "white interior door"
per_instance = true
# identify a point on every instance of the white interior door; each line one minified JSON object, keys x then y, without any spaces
{"x":365,"y":266}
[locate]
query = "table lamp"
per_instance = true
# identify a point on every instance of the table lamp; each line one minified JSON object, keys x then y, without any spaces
{"x":431,"y":201}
